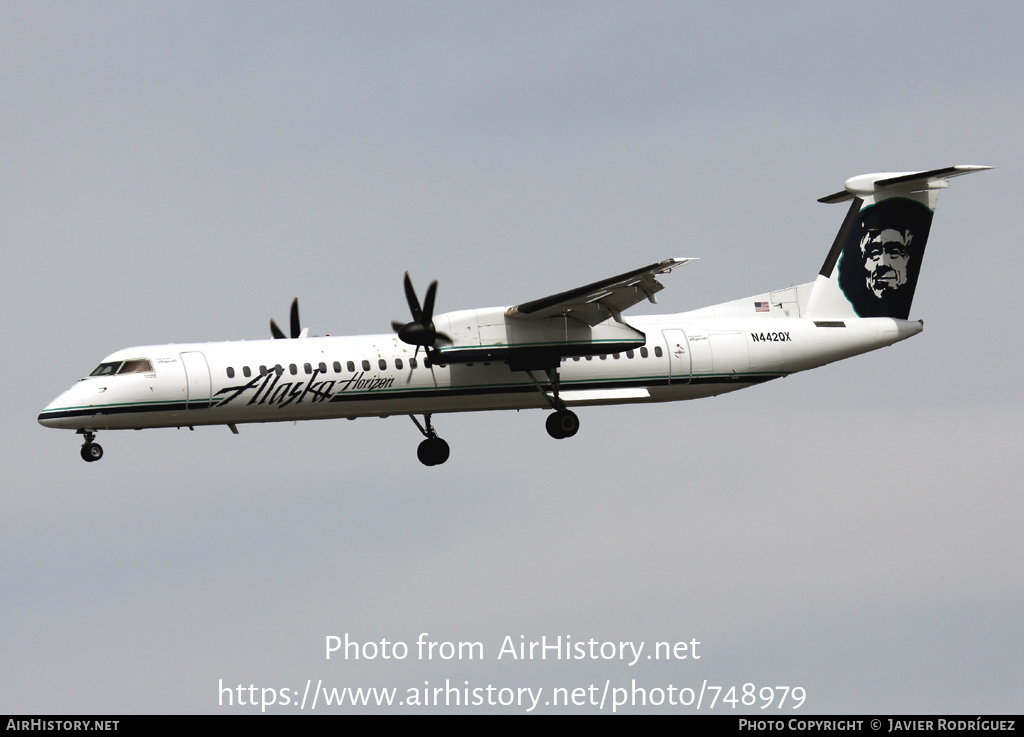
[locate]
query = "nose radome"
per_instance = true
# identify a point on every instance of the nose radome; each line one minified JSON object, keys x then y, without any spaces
{"x":46,"y":417}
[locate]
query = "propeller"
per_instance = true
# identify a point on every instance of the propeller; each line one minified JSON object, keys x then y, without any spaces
{"x":297,"y":332}
{"x":420,"y":332}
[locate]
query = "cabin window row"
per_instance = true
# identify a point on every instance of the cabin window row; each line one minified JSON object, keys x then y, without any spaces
{"x":308,"y":368}
{"x":399,"y":364}
{"x":644,"y":353}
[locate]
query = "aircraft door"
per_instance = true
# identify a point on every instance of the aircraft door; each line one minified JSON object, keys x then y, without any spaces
{"x":678,"y":355}
{"x":197,"y":379}
{"x":700,"y":353}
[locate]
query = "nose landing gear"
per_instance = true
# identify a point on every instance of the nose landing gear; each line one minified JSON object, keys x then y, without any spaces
{"x":90,"y":451}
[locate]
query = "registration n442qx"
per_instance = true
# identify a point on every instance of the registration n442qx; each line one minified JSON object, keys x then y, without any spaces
{"x":568,"y":350}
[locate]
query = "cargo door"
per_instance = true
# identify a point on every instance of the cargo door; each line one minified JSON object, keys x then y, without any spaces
{"x":678,"y":355}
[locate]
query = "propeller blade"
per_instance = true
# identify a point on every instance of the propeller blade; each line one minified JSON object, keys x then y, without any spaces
{"x":428,"y":305}
{"x":275,"y":330}
{"x":296,"y":330}
{"x":419,"y":332}
{"x":410,"y":297}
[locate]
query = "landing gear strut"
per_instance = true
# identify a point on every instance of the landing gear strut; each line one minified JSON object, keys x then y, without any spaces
{"x":563,"y":423}
{"x":90,"y":451}
{"x":433,"y":451}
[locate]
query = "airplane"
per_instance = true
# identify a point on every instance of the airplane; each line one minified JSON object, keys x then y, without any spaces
{"x":567,"y":350}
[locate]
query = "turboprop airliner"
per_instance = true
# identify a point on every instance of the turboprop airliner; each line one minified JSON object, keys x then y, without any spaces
{"x":568,"y":350}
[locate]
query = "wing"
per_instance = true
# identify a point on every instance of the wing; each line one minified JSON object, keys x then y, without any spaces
{"x":595,"y":303}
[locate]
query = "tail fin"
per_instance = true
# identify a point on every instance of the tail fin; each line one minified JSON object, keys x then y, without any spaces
{"x":875,"y":260}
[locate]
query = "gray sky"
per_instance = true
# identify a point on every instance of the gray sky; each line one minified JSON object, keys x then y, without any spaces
{"x":178,"y":172}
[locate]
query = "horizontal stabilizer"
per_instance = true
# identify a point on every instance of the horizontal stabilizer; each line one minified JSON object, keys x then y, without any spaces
{"x":867,"y":184}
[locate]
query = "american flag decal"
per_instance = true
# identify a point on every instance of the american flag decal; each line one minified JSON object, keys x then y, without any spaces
{"x":761,"y":307}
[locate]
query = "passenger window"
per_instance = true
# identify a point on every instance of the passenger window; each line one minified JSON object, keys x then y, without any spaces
{"x":615,"y":356}
{"x":643,"y":352}
{"x":603,"y":356}
{"x":307,"y":368}
{"x":366,"y":365}
{"x":412,"y":362}
{"x":263,"y":371}
{"x":246,"y":372}
{"x":351,"y":366}
{"x":231,"y":373}
{"x":337,"y":367}
{"x":398,"y":364}
{"x":590,"y":358}
{"x":322,"y":367}
{"x":383,"y":364}
{"x":293,"y":368}
{"x":657,"y":351}
{"x":629,"y":354}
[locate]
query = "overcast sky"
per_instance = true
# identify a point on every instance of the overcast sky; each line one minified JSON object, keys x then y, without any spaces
{"x":176,"y":172}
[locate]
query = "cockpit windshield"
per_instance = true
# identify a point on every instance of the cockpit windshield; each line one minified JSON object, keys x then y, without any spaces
{"x":136,"y":366}
{"x":131,"y":366}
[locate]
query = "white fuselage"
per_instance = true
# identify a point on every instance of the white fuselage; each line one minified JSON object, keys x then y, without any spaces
{"x":686,"y":356}
{"x":564,"y":350}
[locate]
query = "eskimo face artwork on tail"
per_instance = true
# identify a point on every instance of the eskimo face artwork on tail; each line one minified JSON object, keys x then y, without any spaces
{"x":882,"y":257}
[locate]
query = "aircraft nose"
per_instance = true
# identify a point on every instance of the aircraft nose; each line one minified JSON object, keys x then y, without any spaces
{"x":51,"y":414}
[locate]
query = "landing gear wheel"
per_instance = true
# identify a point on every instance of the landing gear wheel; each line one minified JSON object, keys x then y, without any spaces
{"x":91,"y":452}
{"x":433,"y":451}
{"x":562,"y":424}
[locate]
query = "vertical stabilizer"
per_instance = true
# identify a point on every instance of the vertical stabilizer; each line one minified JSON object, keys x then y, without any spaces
{"x":874,"y":263}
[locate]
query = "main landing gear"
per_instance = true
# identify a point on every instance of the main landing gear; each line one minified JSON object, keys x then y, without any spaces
{"x":90,"y":451}
{"x":433,"y":451}
{"x":560,"y":424}
{"x":563,"y":423}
